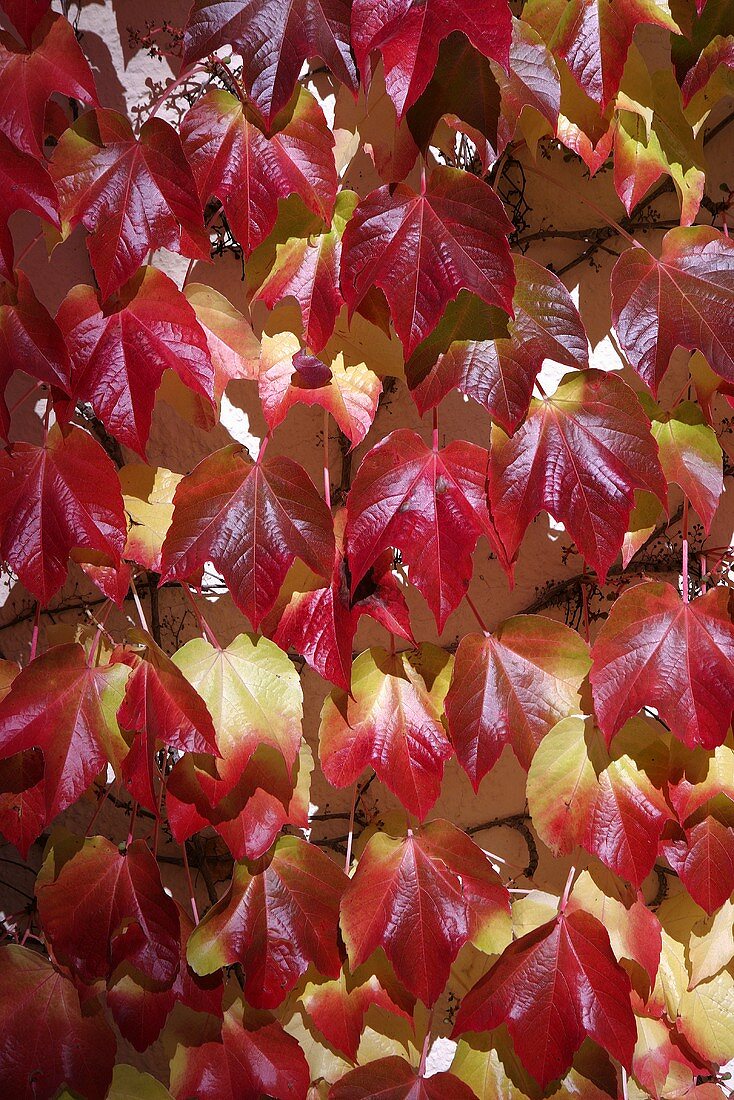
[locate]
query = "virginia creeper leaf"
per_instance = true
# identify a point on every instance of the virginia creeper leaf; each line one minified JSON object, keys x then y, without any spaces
{"x":29,"y":77}
{"x":510,"y":688}
{"x":391,"y":721}
{"x":683,"y":299}
{"x":26,"y":15}
{"x":24,"y":185}
{"x":131,"y":194}
{"x":233,"y":346}
{"x":275,"y":922}
{"x":119,"y":351}
{"x":338,"y":1009}
{"x":65,"y":707}
{"x":431,"y":505}
{"x":580,"y":455}
{"x":655,"y":650}
{"x":554,"y":987}
{"x":251,"y":519}
{"x":48,"y":1039}
{"x":134,"y":919}
{"x":248,"y":171}
{"x":274,"y":39}
{"x":147,"y":492}
{"x":705,"y":862}
{"x":690,"y":455}
{"x":408,"y":38}
{"x":395,"y":1079}
{"x":422,"y":248}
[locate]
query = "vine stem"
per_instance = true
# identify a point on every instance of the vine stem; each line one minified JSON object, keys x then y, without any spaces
{"x":475,"y":612}
{"x":187,"y":869}
{"x":34,"y":635}
{"x":139,"y":606}
{"x":131,"y":830}
{"x":625,"y":1090}
{"x":205,"y":628}
{"x":587,"y":202}
{"x":327,"y":475}
{"x":684,"y":579}
{"x":435,"y":430}
{"x":426,"y":1043}
{"x":567,"y":889}
{"x":350,"y":834}
{"x":101,"y":621}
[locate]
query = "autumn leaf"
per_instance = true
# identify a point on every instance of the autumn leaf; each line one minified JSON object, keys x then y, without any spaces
{"x":275,"y":922}
{"x":704,"y":860}
{"x":131,"y":194}
{"x":233,"y":347}
{"x":273,"y":515}
{"x":595,"y":438}
{"x":690,"y":455}
{"x":656,"y":650}
{"x":338,"y":1009}
{"x":24,"y":185}
{"x":422,"y":248}
{"x":395,"y":1079}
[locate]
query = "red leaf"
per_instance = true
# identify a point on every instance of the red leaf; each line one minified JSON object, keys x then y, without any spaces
{"x":251,"y":519}
{"x":395,"y":1079}
{"x":29,"y":77}
{"x":654,"y":650}
{"x":684,"y":299}
{"x":580,"y":455}
{"x":718,"y":53}
{"x":24,"y":185}
{"x":134,"y":919}
{"x":476,"y":351}
{"x":54,"y":499}
{"x":66,"y":708}
{"x":593,"y":37}
{"x":119,"y":352}
{"x":161,"y":707}
{"x":421,"y":249}
{"x":431,"y":505}
{"x":48,"y":1039}
{"x":275,"y":923}
{"x":320,"y":624}
{"x":22,"y":802}
{"x":30,"y":340}
{"x":250,"y":1062}
{"x":511,"y":688}
{"x":552,"y":988}
{"x":248,"y":171}
{"x":26,"y":15}
{"x":409,"y":36}
{"x":274,"y":38}
{"x":338,"y":1009}
{"x":391,"y":721}
{"x":131,"y":194}
{"x":705,"y":862}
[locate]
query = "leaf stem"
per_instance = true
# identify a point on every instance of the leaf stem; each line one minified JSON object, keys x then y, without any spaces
{"x":34,"y":635}
{"x":435,"y":430}
{"x":350,"y":834}
{"x":684,"y":578}
{"x":187,"y":869}
{"x":567,"y":889}
{"x":138,"y":605}
{"x":475,"y":612}
{"x":205,"y":628}
{"x":131,"y":830}
{"x":327,"y":475}
{"x":587,"y":202}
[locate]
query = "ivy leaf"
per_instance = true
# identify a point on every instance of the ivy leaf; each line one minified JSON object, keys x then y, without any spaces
{"x":30,"y":341}
{"x":307,"y":268}
{"x":391,"y":721}
{"x":64,"y":706}
{"x":579,"y":795}
{"x":511,"y":688}
{"x":26,"y":15}
{"x":274,"y":39}
{"x":553,"y":988}
{"x":29,"y":77}
{"x":66,"y":1045}
{"x":24,"y":185}
{"x":248,"y":171}
{"x":134,"y":919}
{"x":22,"y":798}
{"x":410,"y":904}
{"x":320,"y":622}
{"x":119,"y":351}
{"x":253,"y":694}
{"x":338,"y":1009}
{"x":690,"y":455}
{"x":251,"y":520}
{"x":594,"y":437}
{"x":408,"y":38}
{"x":656,"y":650}
{"x":711,"y":77}
{"x":422,"y":248}
{"x":56,"y":498}
{"x":131,"y":194}
{"x":476,"y":351}
{"x":694,"y":277}
{"x":233,"y":347}
{"x":147,"y":492}
{"x":593,"y":37}
{"x":291,"y":376}
{"x":161,"y":707}
{"x":275,"y":923}
{"x":254,"y":1059}
{"x":395,"y":1079}
{"x":704,"y":859}
{"x":431,"y":505}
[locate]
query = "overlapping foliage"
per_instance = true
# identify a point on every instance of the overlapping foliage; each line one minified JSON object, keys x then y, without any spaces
{"x":326,"y":967}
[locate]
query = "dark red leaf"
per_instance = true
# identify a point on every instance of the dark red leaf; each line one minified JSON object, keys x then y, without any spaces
{"x":395,"y":1079}
{"x":26,"y":15}
{"x":24,"y":185}
{"x":704,"y":859}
